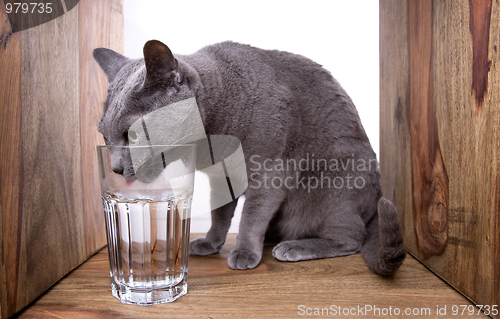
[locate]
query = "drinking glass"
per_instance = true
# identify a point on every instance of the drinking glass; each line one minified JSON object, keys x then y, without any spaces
{"x":147,"y":194}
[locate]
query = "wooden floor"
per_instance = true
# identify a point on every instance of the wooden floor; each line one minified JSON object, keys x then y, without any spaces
{"x":272,"y":290}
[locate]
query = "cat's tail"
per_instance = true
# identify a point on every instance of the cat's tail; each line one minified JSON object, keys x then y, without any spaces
{"x":384,"y":249}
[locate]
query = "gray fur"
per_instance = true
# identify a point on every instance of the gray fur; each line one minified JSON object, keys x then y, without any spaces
{"x":281,"y":106}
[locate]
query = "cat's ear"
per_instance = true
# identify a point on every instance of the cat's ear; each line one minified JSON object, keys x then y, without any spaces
{"x":110,"y":62}
{"x":160,"y":62}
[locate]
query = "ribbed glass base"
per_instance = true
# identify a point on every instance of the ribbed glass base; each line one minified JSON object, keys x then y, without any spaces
{"x":149,"y":297}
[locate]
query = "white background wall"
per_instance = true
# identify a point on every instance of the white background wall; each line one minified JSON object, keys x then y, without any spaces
{"x":342,"y":35}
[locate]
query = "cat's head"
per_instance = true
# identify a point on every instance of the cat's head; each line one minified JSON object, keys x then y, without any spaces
{"x":137,"y":87}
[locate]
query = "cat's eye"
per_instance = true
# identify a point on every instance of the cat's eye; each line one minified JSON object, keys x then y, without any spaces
{"x":133,"y":136}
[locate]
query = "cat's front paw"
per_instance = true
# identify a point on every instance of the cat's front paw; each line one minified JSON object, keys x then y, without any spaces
{"x":291,"y":251}
{"x":243,"y":259}
{"x":202,"y":247}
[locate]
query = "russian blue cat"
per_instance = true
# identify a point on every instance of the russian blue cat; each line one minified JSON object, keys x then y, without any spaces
{"x":314,"y":186}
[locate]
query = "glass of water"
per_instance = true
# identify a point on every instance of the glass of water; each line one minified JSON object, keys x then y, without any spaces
{"x":147,"y":193}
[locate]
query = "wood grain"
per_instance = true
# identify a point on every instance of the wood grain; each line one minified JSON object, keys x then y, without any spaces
{"x":429,"y":178}
{"x":272,"y":290}
{"x":50,"y":210}
{"x":467,"y":132}
{"x":471,"y":144}
{"x":479,"y":25}
{"x":395,"y":150}
{"x":108,"y":16}
{"x":52,"y":224}
{"x":10,"y":165}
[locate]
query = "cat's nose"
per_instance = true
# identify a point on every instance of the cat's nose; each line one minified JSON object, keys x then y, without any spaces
{"x":116,"y":162}
{"x":118,"y":170}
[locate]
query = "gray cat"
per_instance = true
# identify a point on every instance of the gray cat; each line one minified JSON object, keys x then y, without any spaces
{"x":314,"y":185}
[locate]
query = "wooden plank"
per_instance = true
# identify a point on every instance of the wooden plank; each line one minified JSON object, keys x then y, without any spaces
{"x":10,"y":166}
{"x":272,"y":290}
{"x":469,"y":115}
{"x":51,"y":218}
{"x":52,"y":226}
{"x":453,"y":108}
{"x":492,"y":241}
{"x":98,"y":24}
{"x":429,"y":177}
{"x":116,"y":26}
{"x":460,"y":77}
{"x":395,"y":151}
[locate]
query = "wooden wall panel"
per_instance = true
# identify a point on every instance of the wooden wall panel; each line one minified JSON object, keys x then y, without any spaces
{"x":51,"y":94}
{"x":429,"y":177}
{"x":10,"y":164}
{"x":394,"y":127}
{"x":93,"y":84}
{"x":52,"y":223}
{"x":447,"y":116}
